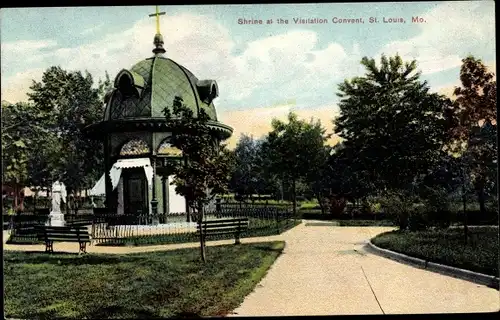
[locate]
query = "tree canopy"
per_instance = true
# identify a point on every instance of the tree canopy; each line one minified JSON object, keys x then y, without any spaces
{"x":66,"y":102}
{"x":391,"y":122}
{"x":295,"y":151}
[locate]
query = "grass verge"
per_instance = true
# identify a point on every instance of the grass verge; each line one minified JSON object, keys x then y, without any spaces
{"x":145,"y":285}
{"x":447,"y":247}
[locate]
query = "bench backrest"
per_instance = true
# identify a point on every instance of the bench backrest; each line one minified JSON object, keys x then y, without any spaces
{"x":79,"y":222}
{"x":65,"y":233}
{"x":229,"y":225}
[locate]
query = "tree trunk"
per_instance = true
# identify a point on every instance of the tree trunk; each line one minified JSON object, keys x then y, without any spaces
{"x":16,"y":198}
{"x":188,"y":212}
{"x":21,"y":199}
{"x":466,"y":228}
{"x":481,"y":200}
{"x":294,"y":198}
{"x":320,"y":202}
{"x":202,"y":240}
{"x":282,"y":189}
{"x":76,"y":204}
{"x":35,"y":200}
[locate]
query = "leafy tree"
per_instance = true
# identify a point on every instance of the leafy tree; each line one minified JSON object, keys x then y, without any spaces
{"x":345,"y":178}
{"x":244,"y":180}
{"x":206,"y":171}
{"x":67,"y":101}
{"x":436,"y":188}
{"x":392,"y":126}
{"x":314,"y":139}
{"x":476,"y":101}
{"x":269,"y":182}
{"x":44,"y":161}
{"x":482,"y":158}
{"x":20,"y":130}
{"x":472,"y":125}
{"x":294,"y":151}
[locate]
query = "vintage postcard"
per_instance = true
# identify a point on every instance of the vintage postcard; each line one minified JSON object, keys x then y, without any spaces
{"x":249,"y":160}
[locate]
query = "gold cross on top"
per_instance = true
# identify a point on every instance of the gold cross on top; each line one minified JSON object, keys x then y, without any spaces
{"x":157,"y":15}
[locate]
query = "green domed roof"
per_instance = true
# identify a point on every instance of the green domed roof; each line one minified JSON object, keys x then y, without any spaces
{"x":141,"y":93}
{"x":149,"y":86}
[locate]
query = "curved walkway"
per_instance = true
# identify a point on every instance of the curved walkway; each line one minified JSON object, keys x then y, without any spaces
{"x":325,"y":270}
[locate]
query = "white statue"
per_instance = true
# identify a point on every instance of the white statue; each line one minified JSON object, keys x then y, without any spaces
{"x":58,"y":194}
{"x":56,"y":217}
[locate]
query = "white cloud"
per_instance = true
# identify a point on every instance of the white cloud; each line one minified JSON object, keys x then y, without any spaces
{"x":92,"y":29}
{"x":26,"y":45}
{"x":15,"y":56}
{"x":452,"y":31}
{"x":285,"y":63}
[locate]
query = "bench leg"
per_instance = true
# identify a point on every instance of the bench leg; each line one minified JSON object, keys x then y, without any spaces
{"x":49,"y":246}
{"x":237,"y":239}
{"x":83,"y":247}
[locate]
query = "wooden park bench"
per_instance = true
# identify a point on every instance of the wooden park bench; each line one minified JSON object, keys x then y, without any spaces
{"x":224,"y":226}
{"x":64,"y":234}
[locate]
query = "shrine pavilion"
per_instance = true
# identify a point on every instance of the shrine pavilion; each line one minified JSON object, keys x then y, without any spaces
{"x":135,"y":134}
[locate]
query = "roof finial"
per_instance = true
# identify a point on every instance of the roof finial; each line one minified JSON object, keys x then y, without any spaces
{"x":158,"y":40}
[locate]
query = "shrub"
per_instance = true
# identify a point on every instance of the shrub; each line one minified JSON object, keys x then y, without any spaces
{"x":405,"y":210}
{"x":337,"y":205}
{"x":437,"y":205}
{"x":418,"y":218}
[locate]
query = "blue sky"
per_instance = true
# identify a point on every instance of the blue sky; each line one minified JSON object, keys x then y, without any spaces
{"x":256,"y":66}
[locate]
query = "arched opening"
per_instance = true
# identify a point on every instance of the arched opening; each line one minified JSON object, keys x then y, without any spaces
{"x":135,"y":147}
{"x":167,"y":149}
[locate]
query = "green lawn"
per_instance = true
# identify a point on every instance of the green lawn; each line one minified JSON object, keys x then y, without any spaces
{"x":447,"y":247}
{"x":145,"y":285}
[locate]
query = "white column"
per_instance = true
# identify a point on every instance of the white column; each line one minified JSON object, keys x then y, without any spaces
{"x":150,"y":197}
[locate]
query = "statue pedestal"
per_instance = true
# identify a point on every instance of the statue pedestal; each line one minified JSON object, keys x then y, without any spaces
{"x":56,"y":219}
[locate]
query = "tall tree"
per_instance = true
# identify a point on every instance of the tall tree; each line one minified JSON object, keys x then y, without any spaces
{"x":267,"y":181}
{"x":472,"y":124}
{"x":295,"y":149}
{"x":69,"y":101}
{"x":482,"y":158}
{"x":314,"y":139}
{"x":20,"y":132}
{"x":391,"y":123}
{"x":244,"y":180}
{"x":206,"y":171}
